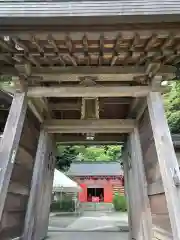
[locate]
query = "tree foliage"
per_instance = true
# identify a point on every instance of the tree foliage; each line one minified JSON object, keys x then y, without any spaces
{"x":67,"y":154}
{"x":172,"y":106}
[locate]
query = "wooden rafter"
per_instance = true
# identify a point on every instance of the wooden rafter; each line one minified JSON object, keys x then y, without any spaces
{"x":40,"y":49}
{"x":7,"y":45}
{"x":101,"y":49}
{"x":52,"y":42}
{"x":86,"y":47}
{"x":69,"y":45}
{"x":115,"y":50}
{"x":150,"y":42}
{"x":26,"y":50}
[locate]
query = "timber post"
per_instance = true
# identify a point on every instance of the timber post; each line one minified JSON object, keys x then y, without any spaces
{"x":10,"y":143}
{"x":128,"y":194}
{"x":167,"y":159}
{"x":37,"y":214}
{"x":143,"y":205}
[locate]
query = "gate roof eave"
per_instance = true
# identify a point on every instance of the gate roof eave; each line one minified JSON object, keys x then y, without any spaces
{"x":100,"y":12}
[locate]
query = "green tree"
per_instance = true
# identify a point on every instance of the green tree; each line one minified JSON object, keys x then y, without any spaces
{"x":65,"y":156}
{"x":172,"y":106}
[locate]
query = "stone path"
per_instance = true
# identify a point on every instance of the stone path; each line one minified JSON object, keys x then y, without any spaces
{"x":89,"y":236}
{"x":96,"y":225}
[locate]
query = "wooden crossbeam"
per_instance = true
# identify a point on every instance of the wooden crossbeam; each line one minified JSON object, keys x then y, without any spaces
{"x":95,"y":91}
{"x":89,"y":126}
{"x":87,"y":70}
{"x":81,"y":139}
{"x":40,"y":77}
{"x":100,"y":70}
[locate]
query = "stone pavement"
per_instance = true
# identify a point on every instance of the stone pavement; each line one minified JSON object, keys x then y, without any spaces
{"x":96,"y":225}
{"x":90,"y":221}
{"x":88,"y":236}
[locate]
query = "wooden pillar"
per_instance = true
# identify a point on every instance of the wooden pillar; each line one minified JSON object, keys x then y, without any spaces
{"x":37,"y":214}
{"x":128,"y":194}
{"x":167,"y":159}
{"x":142,"y":205}
{"x":42,"y":218}
{"x":10,"y":142}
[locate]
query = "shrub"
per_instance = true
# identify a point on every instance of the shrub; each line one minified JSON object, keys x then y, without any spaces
{"x":66,"y":205}
{"x":119,"y":202}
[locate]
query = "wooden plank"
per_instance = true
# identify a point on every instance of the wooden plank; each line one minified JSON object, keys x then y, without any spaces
{"x":21,"y":174}
{"x":9,"y":143}
{"x":86,"y":126}
{"x":155,"y":188}
{"x":10,"y":220}
{"x":98,"y":139}
{"x":68,"y":77}
{"x":41,"y":223}
{"x":161,"y":234}
{"x":35,"y":110}
{"x":90,"y":70}
{"x":36,"y":185}
{"x":18,"y":188}
{"x":167,"y":159}
{"x":24,"y":158}
{"x":16,"y":202}
{"x":29,"y":143}
{"x":95,"y":91}
{"x":141,"y":186}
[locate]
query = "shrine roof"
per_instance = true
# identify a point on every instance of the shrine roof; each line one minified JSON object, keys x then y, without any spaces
{"x":95,"y":169}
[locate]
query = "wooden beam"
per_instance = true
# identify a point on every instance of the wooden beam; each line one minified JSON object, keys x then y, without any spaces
{"x":143,"y":206}
{"x":164,"y":69}
{"x":131,"y":191}
{"x":95,"y":91}
{"x":168,"y":163}
{"x":45,"y":194}
{"x":36,"y":186}
{"x":56,"y":77}
{"x":100,"y":70}
{"x":90,"y":126}
{"x":81,"y":139}
{"x":155,"y":188}
{"x":9,"y":143}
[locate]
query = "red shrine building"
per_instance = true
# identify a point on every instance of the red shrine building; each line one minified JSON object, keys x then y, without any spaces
{"x":99,"y":180}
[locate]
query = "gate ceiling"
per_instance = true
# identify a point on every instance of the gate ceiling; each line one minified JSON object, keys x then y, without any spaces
{"x":115,"y":64}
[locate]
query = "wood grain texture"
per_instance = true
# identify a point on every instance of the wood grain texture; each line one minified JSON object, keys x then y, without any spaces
{"x":97,"y":91}
{"x":83,"y":126}
{"x":167,"y":159}
{"x":36,"y":185}
{"x":143,"y":211}
{"x":9,"y":143}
